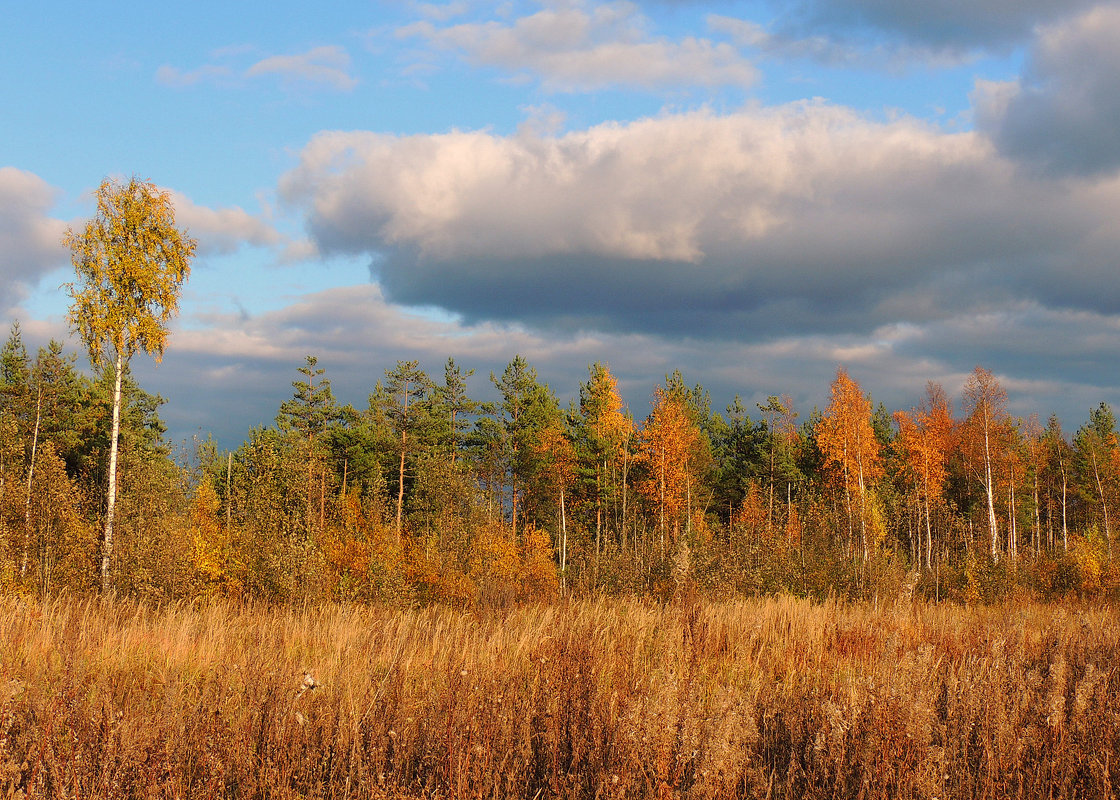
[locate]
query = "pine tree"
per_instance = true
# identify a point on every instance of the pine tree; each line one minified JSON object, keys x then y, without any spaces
{"x":308,"y":414}
{"x":407,"y":396}
{"x":1096,"y":448}
{"x":522,"y":410}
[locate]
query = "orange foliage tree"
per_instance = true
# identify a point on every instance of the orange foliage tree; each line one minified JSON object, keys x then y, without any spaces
{"x":608,"y":431}
{"x":924,"y":437}
{"x":847,"y":441}
{"x":556,"y":459}
{"x":667,"y":445}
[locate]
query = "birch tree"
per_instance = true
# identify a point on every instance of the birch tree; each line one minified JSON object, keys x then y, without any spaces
{"x":985,"y":404}
{"x":848,"y":443}
{"x":130,"y":262}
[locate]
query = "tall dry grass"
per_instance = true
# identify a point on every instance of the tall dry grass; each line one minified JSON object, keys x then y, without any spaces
{"x":599,"y":699}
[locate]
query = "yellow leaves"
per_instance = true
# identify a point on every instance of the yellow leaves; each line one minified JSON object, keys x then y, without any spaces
{"x":847,"y":440}
{"x":212,"y":560}
{"x":924,"y":439}
{"x":130,"y":262}
{"x":846,"y":437}
{"x":751,"y":515}
{"x":667,"y":446}
{"x":602,"y":407}
{"x":539,"y":580}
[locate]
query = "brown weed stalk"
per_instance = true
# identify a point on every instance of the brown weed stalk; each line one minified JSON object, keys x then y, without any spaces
{"x":778,"y":698}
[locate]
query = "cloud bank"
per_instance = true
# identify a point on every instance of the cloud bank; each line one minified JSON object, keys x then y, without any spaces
{"x":805,"y":218}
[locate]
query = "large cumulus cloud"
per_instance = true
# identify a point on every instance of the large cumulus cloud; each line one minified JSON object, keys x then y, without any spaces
{"x":800,"y":218}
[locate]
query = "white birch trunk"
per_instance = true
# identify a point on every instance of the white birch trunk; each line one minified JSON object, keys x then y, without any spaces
{"x":111,"y":503}
{"x":30,"y":478}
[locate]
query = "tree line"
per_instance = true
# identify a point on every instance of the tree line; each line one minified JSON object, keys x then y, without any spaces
{"x":426,"y":494}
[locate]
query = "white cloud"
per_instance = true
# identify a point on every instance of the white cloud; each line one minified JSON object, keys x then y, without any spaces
{"x":177,"y":78}
{"x":574,"y":47}
{"x":222,"y":230}
{"x":30,"y":239}
{"x":441,"y":12}
{"x":328,"y":65}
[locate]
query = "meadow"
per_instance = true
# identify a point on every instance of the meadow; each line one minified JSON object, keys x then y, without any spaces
{"x":764,"y":698}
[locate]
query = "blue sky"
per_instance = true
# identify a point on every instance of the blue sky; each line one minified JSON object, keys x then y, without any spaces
{"x":752,"y":192}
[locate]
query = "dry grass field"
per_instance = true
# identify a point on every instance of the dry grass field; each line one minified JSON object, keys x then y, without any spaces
{"x":778,"y":698}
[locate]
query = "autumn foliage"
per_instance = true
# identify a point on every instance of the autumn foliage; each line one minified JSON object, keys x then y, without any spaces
{"x":427,"y":496}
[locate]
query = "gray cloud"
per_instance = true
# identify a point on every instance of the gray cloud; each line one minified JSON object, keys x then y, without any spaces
{"x":940,"y":25}
{"x":30,"y":240}
{"x":1063,"y":114}
{"x":805,"y":218}
{"x":233,"y":371}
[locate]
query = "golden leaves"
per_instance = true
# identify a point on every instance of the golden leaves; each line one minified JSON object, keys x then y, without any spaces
{"x":130,"y":262}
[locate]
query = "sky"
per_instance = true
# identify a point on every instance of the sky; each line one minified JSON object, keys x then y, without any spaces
{"x":755,"y":193}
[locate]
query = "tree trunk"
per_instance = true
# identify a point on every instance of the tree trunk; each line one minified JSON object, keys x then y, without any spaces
{"x":1065,"y":485}
{"x":30,"y":478}
{"x":400,"y":487}
{"x":625,"y":486}
{"x":598,"y":512}
{"x":1037,"y":519}
{"x":770,"y":506}
{"x":111,"y":502}
{"x":1104,"y":506}
{"x":229,"y":489}
{"x":929,"y":535}
{"x":563,"y":546}
{"x":993,"y":523}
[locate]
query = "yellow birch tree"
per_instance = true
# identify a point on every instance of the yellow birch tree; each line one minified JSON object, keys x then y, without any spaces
{"x":131,"y":261}
{"x":847,"y":441}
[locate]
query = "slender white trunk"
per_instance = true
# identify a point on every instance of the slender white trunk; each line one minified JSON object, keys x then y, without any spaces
{"x":229,"y":489}
{"x":1037,"y":518}
{"x":563,"y":546}
{"x":929,"y":537}
{"x":1065,"y":485}
{"x":848,"y":497}
{"x":625,"y":483}
{"x":111,"y":504}
{"x":688,"y":495}
{"x":993,"y":523}
{"x":1012,"y":524}
{"x":598,"y":511}
{"x":30,"y":478}
{"x":863,"y":514}
{"x":400,"y":484}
